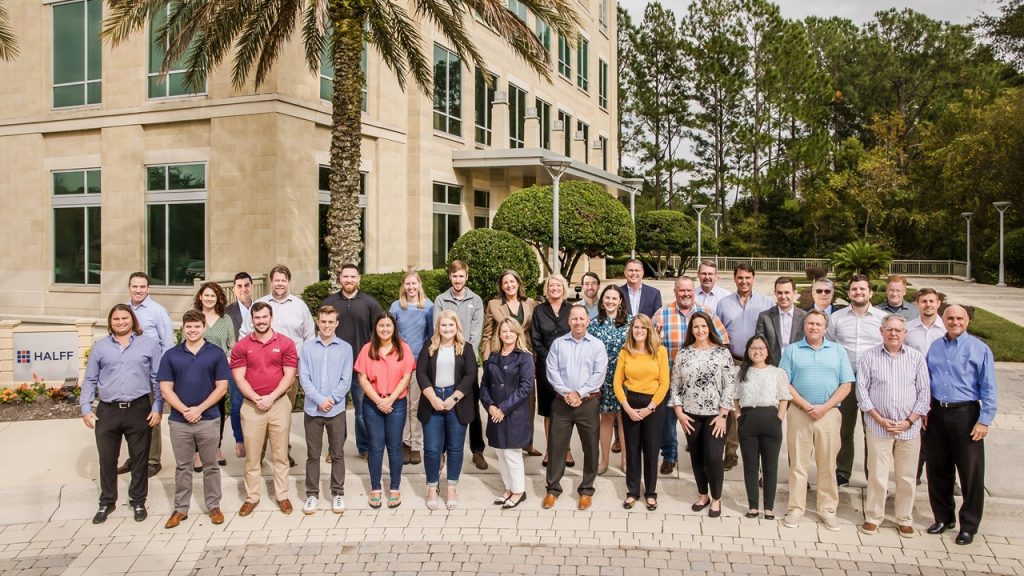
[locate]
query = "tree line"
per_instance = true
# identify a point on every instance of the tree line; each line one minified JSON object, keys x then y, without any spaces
{"x":809,"y":134}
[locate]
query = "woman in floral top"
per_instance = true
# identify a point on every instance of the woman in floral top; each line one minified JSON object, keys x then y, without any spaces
{"x":611,"y":327}
{"x":701,"y":395}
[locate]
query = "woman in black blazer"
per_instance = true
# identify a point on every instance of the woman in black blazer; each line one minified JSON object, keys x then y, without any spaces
{"x":446,"y":373}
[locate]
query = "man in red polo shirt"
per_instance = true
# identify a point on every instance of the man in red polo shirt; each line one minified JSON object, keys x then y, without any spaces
{"x":264,"y":365}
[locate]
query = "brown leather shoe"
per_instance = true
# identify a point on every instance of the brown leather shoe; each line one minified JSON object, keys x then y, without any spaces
{"x":667,"y":467}
{"x":216,"y":516}
{"x":869,"y":528}
{"x":478,"y":460}
{"x":126,"y":467}
{"x":247,"y":508}
{"x":907,"y":531}
{"x":175,"y":519}
{"x":153,"y":470}
{"x":549,"y":501}
{"x":585,"y":502}
{"x":415,"y":457}
{"x":285,"y":506}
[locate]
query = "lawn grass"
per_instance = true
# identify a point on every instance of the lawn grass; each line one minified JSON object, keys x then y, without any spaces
{"x":1004,"y":337}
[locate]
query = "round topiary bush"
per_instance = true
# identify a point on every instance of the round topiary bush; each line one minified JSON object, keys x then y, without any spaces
{"x":489,"y":252}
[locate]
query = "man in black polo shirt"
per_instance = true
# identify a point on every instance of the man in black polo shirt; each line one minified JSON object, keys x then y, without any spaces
{"x":193,"y":379}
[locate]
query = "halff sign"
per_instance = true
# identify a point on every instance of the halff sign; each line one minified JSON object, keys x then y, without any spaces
{"x":50,"y":355}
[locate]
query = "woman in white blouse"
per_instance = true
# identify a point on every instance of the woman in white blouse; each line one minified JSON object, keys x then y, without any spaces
{"x":762,"y":395}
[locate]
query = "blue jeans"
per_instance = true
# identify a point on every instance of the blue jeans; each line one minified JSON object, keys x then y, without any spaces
{"x":443,"y":433}
{"x":236,"y":410}
{"x":669,"y":445}
{"x":385,"y":430}
{"x":362,"y":440}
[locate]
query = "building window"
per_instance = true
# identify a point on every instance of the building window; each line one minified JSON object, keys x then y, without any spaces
{"x":516,"y":117}
{"x":447,"y":220}
{"x":602,"y":84}
{"x":564,"y":57}
{"x":583,"y":133}
{"x":174,"y":83}
{"x":447,"y":91}
{"x":602,"y":14}
{"x":484,"y":97}
{"x":544,"y":34}
{"x":76,"y":227}
{"x":481,"y":209}
{"x":566,"y":121}
{"x":77,"y":58}
{"x":603,"y":142}
{"x":517,"y":8}
{"x":176,"y":223}
{"x":327,"y":75}
{"x":544,"y":117}
{"x":583,"y":64}
{"x":324,"y":203}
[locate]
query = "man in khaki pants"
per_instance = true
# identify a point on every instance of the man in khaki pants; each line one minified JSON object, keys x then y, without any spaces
{"x":894,"y":391}
{"x":820,"y":378}
{"x":264,"y":365}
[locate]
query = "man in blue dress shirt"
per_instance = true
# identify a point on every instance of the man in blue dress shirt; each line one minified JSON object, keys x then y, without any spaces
{"x":576,"y":366}
{"x":122,"y":372}
{"x":963,"y":384}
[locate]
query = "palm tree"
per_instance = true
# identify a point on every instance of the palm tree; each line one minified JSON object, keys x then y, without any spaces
{"x":205,"y":31}
{"x":8,"y":44}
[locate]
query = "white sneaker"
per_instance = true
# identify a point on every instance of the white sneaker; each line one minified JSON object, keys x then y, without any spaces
{"x":338,"y":504}
{"x":791,"y":521}
{"x":312,"y":503}
{"x":831,"y":523}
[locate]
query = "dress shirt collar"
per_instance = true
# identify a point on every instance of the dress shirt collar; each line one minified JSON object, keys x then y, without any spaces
{"x":287,"y":298}
{"x":146,"y":303}
{"x":586,"y":337}
{"x":334,"y":340}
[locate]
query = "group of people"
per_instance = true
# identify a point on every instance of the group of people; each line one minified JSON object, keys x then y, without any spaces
{"x":726,"y":366}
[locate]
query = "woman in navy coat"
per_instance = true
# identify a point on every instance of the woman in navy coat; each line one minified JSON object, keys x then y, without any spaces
{"x":505,"y":393}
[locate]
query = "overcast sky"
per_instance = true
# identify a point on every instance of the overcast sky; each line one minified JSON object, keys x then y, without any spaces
{"x":860,"y":11}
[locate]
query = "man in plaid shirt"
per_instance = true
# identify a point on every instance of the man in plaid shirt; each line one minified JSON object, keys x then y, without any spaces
{"x":671,"y":321}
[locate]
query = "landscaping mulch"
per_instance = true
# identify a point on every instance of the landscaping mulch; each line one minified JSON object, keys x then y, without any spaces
{"x":43,"y":409}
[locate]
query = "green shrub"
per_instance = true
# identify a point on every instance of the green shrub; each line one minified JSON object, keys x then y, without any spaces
{"x":315,"y":293}
{"x":1013,"y":256}
{"x":860,"y":257}
{"x":615,"y":270}
{"x":490,"y":252}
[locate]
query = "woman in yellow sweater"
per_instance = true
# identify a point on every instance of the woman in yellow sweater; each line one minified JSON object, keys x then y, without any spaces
{"x":641,"y":384}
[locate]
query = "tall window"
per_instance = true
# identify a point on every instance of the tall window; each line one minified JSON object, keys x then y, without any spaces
{"x":481,"y":209}
{"x":544,"y":34}
{"x":517,"y":8}
{"x":567,"y":126}
{"x":604,"y":152}
{"x":77,"y":59}
{"x":602,"y":14}
{"x":484,"y":98}
{"x":324,"y":202}
{"x":447,"y":220}
{"x":583,"y":64}
{"x":583,"y":132}
{"x":327,"y":75}
{"x":76,"y":227}
{"x":176,"y":223}
{"x":447,"y":91}
{"x":544,"y":117}
{"x":564,"y":57}
{"x":602,"y":84}
{"x":516,"y":116}
{"x":174,"y":83}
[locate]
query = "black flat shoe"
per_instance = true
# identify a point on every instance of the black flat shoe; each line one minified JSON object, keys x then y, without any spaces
{"x":652,"y":504}
{"x":222,"y":462}
{"x":628,"y":503}
{"x":509,"y":504}
{"x":697,"y":506}
{"x":940,"y":527}
{"x":752,"y":514}
{"x":197,"y":468}
{"x":712,"y":513}
{"x":501,"y":500}
{"x":964,"y":538}
{"x":769,"y":515}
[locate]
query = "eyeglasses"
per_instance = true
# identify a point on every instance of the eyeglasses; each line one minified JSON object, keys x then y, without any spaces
{"x":757,"y":349}
{"x":822,"y":290}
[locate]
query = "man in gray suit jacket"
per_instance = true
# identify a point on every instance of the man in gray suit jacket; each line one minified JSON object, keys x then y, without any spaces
{"x":783,"y":323}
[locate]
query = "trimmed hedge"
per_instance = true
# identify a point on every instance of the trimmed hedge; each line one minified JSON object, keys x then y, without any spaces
{"x":384,"y":287}
{"x":490,"y":252}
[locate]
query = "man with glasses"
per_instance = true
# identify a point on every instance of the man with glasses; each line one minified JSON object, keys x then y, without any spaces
{"x":822,"y":294}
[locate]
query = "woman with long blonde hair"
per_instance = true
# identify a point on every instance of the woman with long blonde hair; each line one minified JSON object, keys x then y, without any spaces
{"x":414,"y":314}
{"x":550,"y":320}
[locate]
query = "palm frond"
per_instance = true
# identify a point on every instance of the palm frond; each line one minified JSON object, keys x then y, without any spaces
{"x":447,"y":16}
{"x":559,"y":14}
{"x":8,"y":43}
{"x":397,"y":39}
{"x":315,"y":32}
{"x":125,"y":17}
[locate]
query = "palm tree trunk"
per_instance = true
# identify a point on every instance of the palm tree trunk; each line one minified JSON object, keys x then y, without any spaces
{"x":343,"y":217}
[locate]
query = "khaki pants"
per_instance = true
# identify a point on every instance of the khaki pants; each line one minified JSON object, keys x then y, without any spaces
{"x":412,"y":436}
{"x":886,"y":455}
{"x":275,"y":425}
{"x":805,"y":436}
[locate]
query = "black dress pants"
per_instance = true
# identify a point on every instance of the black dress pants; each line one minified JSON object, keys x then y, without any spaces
{"x":707,"y":455}
{"x":476,"y":428}
{"x":952,"y":451}
{"x":760,"y":443}
{"x":642,"y":441}
{"x":116,"y":420}
{"x":587,"y":420}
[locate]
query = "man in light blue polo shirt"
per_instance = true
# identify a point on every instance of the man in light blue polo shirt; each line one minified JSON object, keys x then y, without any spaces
{"x":820,"y":377}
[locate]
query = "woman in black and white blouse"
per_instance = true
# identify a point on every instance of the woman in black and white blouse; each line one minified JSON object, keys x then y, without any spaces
{"x":701,"y":395}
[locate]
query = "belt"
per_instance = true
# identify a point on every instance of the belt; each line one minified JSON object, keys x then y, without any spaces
{"x":955,"y":404}
{"x":588,"y":396}
{"x":124,"y":405}
{"x":749,"y":408}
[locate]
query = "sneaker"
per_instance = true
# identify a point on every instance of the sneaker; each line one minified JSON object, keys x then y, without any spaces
{"x":842,"y":480}
{"x":830,"y":523}
{"x":312,"y":503}
{"x":338,"y":504}
{"x":791,"y":521}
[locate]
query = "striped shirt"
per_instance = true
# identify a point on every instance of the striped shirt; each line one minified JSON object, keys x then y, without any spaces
{"x":816,"y":373}
{"x":895,"y":385}
{"x":671,"y":323}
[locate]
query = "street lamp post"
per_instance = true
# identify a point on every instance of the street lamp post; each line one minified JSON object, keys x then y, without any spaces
{"x":699,"y":208}
{"x":717,"y":216}
{"x":1001,"y":206}
{"x":635,"y":185}
{"x":967,"y":216}
{"x":556,"y":167}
